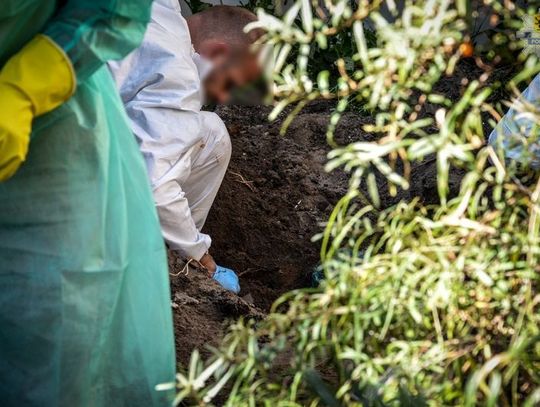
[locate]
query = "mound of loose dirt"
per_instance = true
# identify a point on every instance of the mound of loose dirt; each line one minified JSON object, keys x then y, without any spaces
{"x":273,"y":200}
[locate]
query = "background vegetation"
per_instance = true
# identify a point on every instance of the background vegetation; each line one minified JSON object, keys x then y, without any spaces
{"x":422,"y":304}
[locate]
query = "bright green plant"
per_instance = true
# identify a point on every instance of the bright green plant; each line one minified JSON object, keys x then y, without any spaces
{"x":422,"y":305}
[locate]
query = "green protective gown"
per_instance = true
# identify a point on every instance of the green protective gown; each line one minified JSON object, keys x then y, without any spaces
{"x":85,"y":316}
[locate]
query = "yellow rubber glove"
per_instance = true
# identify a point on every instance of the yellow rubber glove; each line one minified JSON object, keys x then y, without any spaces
{"x":34,"y":81}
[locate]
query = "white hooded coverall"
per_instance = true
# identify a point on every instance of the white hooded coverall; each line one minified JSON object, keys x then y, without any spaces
{"x":186,"y":150}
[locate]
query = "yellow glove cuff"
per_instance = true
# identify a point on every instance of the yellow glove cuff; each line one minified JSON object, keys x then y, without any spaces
{"x":43,"y":73}
{"x":34,"y":81}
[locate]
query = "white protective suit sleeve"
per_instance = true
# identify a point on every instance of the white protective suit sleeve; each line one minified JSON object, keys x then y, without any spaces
{"x":160,"y":85}
{"x":515,"y":123}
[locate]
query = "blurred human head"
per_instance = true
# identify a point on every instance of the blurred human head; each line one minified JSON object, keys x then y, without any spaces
{"x":217,"y":34}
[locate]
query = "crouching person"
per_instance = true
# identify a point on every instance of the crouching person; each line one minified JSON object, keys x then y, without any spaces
{"x":164,"y":84}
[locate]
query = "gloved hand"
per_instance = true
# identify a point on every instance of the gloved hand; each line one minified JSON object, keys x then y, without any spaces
{"x":34,"y":81}
{"x":227,"y":279}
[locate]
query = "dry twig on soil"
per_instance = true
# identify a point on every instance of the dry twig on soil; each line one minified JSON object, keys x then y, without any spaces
{"x":242,"y":180}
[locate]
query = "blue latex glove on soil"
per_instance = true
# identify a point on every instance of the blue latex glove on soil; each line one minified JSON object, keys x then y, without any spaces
{"x":227,"y":279}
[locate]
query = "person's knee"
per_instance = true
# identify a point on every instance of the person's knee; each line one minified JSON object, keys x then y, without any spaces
{"x":219,"y":139}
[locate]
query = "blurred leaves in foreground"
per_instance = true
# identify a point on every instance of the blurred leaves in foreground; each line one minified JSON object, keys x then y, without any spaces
{"x":422,"y":305}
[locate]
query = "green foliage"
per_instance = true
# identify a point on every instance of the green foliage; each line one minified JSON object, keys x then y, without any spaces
{"x":196,"y":6}
{"x":442,"y":306}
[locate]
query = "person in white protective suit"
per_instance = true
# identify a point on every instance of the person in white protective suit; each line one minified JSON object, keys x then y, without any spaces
{"x":509,"y":132}
{"x":180,"y":65}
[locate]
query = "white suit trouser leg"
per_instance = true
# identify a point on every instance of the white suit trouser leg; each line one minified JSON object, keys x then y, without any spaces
{"x":209,"y":164}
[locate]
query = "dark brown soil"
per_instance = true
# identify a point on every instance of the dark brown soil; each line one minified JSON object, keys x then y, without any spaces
{"x":272,"y":202}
